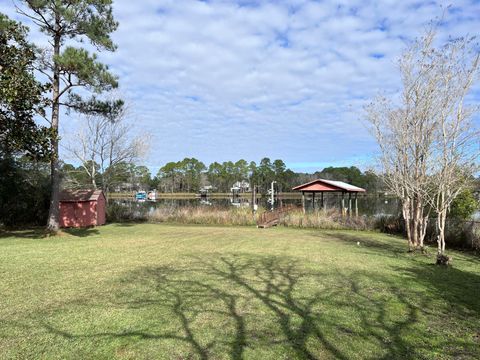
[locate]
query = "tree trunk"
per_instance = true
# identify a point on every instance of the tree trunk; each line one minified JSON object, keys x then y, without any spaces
{"x":94,"y":174}
{"x":54,"y":211}
{"x":408,"y":223}
{"x":441,"y":220}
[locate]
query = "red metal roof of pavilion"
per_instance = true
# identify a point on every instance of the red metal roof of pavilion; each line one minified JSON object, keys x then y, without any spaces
{"x":322,"y":185}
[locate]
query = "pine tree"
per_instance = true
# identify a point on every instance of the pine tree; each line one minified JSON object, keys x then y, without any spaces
{"x":70,"y":68}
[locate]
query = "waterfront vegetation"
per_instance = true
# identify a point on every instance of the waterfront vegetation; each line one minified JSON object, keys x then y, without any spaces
{"x":460,"y":233}
{"x":186,"y":292}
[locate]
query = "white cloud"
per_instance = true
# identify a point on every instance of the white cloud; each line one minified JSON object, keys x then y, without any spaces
{"x":222,"y":80}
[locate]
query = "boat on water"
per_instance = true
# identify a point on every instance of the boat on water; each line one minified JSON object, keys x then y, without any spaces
{"x":152,"y":195}
{"x":141,"y":195}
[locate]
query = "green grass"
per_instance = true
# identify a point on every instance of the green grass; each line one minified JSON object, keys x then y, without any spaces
{"x":186,"y":292}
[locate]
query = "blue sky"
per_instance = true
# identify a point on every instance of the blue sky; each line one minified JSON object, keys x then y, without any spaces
{"x":224,"y":80}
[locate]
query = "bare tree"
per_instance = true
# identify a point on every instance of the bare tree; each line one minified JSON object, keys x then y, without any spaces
{"x":456,"y":149}
{"x":426,"y":137}
{"x":102,"y":143}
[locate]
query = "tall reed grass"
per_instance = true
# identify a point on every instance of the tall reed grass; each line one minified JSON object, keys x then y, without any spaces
{"x":328,"y":220}
{"x":203,"y":215}
{"x":242,"y":216}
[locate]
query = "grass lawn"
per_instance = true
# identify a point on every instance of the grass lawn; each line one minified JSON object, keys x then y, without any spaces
{"x":187,"y":292}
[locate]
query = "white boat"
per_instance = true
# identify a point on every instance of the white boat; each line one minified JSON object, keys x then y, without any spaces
{"x":152,"y":195}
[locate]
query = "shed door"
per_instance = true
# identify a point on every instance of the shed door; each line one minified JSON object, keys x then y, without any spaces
{"x":80,"y":214}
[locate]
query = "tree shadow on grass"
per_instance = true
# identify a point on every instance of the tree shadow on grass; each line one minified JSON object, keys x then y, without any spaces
{"x":31,"y":233}
{"x":82,"y":232}
{"x":262,"y":302}
{"x":366,"y":240}
{"x":460,"y":289}
{"x":42,"y":233}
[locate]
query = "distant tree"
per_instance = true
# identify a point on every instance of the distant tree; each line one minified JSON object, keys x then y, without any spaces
{"x":74,"y":177}
{"x":214,"y":175}
{"x":169,"y":176}
{"x":142,"y":177}
{"x":192,"y":170}
{"x":252,"y":174}
{"x":279,"y":169}
{"x":68,"y":68}
{"x":104,"y":141}
{"x":241,"y":170}
{"x":265,"y":173}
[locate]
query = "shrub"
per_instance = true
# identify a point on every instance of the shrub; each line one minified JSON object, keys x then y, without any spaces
{"x":390,"y":224}
{"x":125,"y":212}
{"x":24,"y":192}
{"x":464,"y":206}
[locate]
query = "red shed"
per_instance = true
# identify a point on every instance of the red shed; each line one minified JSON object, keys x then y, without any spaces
{"x":82,"y":208}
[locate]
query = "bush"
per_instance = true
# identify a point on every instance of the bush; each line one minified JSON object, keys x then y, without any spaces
{"x":24,"y":192}
{"x":390,"y":224}
{"x":125,"y":212}
{"x":464,"y":206}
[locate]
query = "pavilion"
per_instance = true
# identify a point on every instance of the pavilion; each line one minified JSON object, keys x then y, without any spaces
{"x":322,"y":186}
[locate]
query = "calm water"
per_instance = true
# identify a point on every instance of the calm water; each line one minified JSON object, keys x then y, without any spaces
{"x":367,"y":205}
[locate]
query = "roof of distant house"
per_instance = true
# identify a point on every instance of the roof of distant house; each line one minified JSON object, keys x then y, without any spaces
{"x":80,"y":195}
{"x":320,"y":185}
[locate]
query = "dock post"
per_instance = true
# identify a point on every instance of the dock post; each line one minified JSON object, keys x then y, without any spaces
{"x":303,"y":201}
{"x":349,"y":204}
{"x":356,"y":204}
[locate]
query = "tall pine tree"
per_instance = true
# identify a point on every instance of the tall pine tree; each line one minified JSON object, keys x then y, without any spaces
{"x":70,"y":69}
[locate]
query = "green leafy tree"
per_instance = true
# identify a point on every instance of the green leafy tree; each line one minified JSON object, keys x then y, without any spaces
{"x":214,"y":175}
{"x":464,"y":206}
{"x":23,"y":143}
{"x":168,"y":175}
{"x":74,"y":177}
{"x":241,"y":170}
{"x":192,"y":170}
{"x":68,"y":68}
{"x":121,"y":175}
{"x":265,"y":173}
{"x":279,"y":169}
{"x":21,"y":95}
{"x":142,"y":177}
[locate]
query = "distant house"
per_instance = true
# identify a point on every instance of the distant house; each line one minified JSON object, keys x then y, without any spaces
{"x":241,"y":186}
{"x":82,"y":208}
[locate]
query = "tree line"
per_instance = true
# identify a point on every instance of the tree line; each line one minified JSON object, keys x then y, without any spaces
{"x":190,"y":175}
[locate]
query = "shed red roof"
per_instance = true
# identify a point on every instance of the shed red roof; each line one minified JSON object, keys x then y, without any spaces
{"x":80,"y":195}
{"x":320,"y":185}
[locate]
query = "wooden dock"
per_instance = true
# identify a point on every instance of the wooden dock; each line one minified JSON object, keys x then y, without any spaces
{"x":272,"y":218}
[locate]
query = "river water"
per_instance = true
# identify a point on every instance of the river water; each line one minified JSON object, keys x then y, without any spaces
{"x":367,"y":205}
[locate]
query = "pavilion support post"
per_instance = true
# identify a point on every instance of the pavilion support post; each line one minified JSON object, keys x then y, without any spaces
{"x":356,"y":204}
{"x":303,"y":201}
{"x":343,"y":203}
{"x":323,"y":203}
{"x":313,"y":200}
{"x":349,"y":204}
